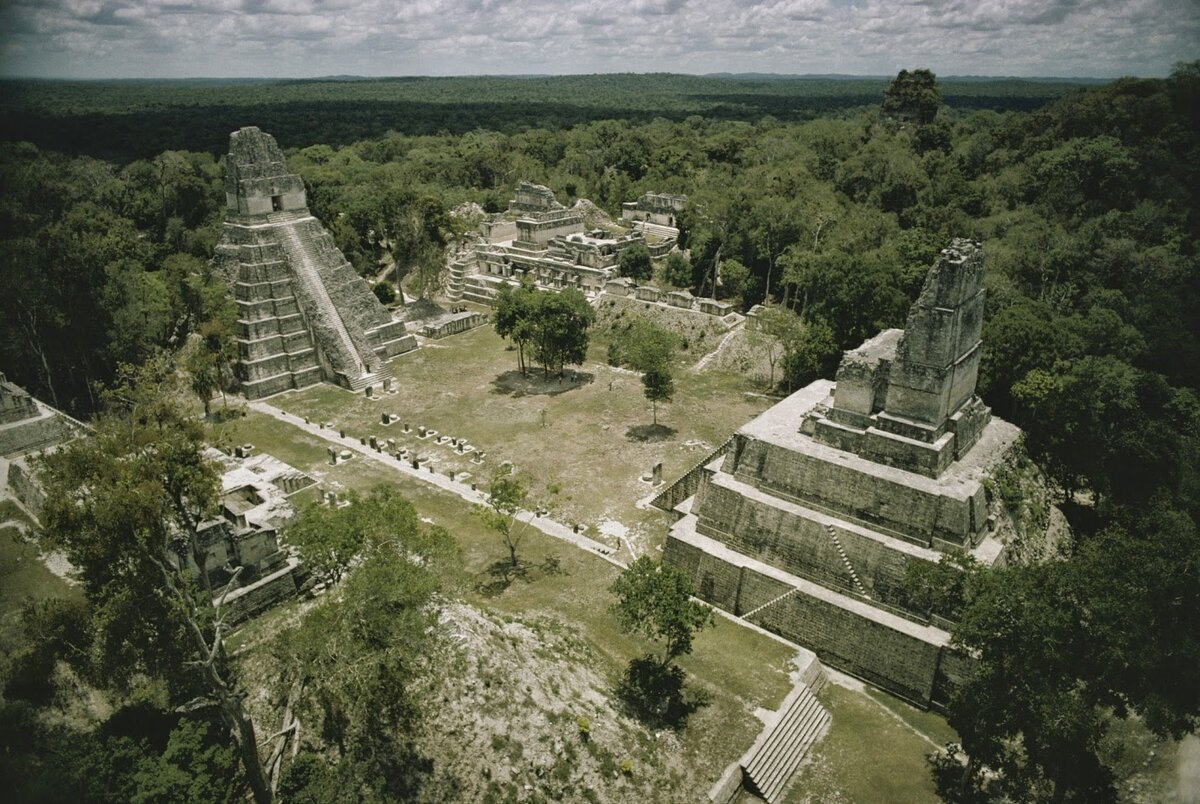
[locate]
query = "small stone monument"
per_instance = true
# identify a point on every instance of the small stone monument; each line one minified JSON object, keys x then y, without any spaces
{"x":332,"y":456}
{"x":657,"y":474}
{"x":370,"y":391}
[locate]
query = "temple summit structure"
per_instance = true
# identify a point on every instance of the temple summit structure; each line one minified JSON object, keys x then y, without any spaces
{"x":304,"y":313}
{"x":807,"y":522}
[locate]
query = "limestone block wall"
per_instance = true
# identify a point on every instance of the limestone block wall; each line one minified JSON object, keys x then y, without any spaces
{"x":894,"y":660}
{"x":800,"y":545}
{"x":892,"y":506}
{"x":23,"y":436}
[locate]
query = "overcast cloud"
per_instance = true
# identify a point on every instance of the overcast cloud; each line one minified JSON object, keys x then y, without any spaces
{"x":182,"y":38}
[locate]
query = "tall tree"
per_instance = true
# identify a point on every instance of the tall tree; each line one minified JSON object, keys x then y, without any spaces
{"x":126,"y":504}
{"x":506,"y":497}
{"x":655,"y":601}
{"x":913,"y":96}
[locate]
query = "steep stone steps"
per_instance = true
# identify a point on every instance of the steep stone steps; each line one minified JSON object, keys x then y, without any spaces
{"x":656,"y":229}
{"x":773,"y":761}
{"x":769,"y":603}
{"x":299,"y":248}
{"x":362,"y":381}
{"x":841,"y":551}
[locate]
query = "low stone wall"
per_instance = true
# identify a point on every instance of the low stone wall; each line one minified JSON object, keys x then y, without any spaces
{"x":654,"y":295}
{"x":262,"y":594}
{"x":896,"y":661}
{"x":25,"y":488}
{"x":891,"y":506}
{"x":452,"y":326}
{"x":800,"y":545}
{"x":30,"y":434}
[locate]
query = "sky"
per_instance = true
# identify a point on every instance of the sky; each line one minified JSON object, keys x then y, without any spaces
{"x":302,"y":38}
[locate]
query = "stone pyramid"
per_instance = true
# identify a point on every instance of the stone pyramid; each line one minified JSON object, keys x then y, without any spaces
{"x":304,"y":314}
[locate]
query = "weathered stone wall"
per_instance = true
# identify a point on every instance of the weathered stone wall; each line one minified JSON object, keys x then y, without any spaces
{"x":800,"y":545}
{"x":896,"y":661}
{"x":890,"y":505}
{"x":31,"y":434}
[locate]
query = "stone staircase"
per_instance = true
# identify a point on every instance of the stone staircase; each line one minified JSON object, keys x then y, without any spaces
{"x":775,"y":757}
{"x":299,"y":252}
{"x":841,"y":551}
{"x":770,"y":603}
{"x":456,"y":279}
{"x":656,"y":229}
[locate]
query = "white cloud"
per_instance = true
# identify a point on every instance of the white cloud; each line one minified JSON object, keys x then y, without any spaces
{"x":90,"y":38}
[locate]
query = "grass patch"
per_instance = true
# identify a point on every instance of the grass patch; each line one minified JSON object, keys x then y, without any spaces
{"x":575,"y":439}
{"x":929,"y":723}
{"x":23,"y":576}
{"x":867,"y":756}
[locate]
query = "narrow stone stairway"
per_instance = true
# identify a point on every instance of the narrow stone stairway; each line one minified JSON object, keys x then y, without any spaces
{"x":303,"y":265}
{"x":841,"y":551}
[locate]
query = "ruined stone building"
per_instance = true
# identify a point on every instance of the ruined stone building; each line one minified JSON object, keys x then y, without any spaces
{"x":540,"y":239}
{"x":807,"y":522}
{"x":254,"y":504}
{"x":304,"y":314}
{"x":661,"y":209}
{"x":27,"y":427}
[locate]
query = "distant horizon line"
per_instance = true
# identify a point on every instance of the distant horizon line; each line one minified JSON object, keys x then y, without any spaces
{"x":728,"y":75}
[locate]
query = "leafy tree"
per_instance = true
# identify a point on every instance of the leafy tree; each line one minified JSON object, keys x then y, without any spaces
{"x":658,"y":386}
{"x":655,"y":601}
{"x":913,"y":96}
{"x":734,"y":278}
{"x":351,"y":662}
{"x":560,"y":326}
{"x":125,"y":505}
{"x":507,"y":495}
{"x":385,"y":291}
{"x":513,"y":315}
{"x":810,"y":355}
{"x":775,"y":333}
{"x":634,"y":262}
{"x":677,"y":270}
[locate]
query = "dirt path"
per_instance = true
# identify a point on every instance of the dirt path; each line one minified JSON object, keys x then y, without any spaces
{"x":703,"y":362}
{"x":545,"y":524}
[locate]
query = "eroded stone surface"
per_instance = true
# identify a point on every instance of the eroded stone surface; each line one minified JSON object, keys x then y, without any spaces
{"x":304,"y":314}
{"x":812,"y":515}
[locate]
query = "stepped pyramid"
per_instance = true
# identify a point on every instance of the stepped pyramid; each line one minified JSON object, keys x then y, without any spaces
{"x":304,"y":314}
{"x":806,"y":524}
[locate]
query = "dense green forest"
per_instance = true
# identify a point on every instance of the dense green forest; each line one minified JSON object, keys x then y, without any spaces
{"x":126,"y":120}
{"x":1087,"y":208}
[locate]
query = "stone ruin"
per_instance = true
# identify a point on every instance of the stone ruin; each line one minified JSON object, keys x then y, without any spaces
{"x":806,"y":522}
{"x":541,"y":240}
{"x":253,"y":506}
{"x":304,"y":314}
{"x":28,"y":426}
{"x":661,"y":209}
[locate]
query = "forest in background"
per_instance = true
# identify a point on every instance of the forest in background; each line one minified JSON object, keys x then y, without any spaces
{"x":136,"y":119}
{"x":1087,"y":209}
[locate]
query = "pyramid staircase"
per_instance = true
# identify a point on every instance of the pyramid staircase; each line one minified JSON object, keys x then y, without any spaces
{"x":770,"y":764}
{"x":841,"y":551}
{"x":299,"y":248}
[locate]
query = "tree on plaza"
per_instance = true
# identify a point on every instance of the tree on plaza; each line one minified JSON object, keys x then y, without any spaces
{"x":655,"y":601}
{"x":560,"y":325}
{"x":635,"y":262}
{"x":507,"y":495}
